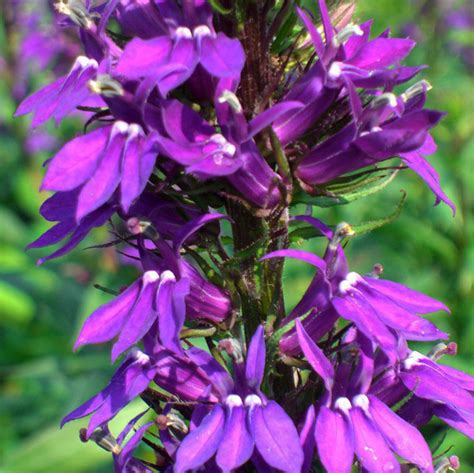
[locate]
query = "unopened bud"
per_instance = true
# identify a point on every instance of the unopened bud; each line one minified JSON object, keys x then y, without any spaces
{"x":141,"y":227}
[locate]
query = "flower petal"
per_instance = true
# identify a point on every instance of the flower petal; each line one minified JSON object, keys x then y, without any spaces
{"x":276,"y":437}
{"x":201,"y":444}
{"x":255,"y":361}
{"x":106,"y":322}
{"x":237,"y":444}
{"x":404,"y":439}
{"x":315,"y":357}
{"x":334,"y":440}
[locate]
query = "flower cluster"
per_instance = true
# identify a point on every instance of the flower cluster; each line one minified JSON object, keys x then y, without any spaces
{"x":205,"y":127}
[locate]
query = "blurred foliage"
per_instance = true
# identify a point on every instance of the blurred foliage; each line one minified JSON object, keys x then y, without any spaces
{"x":41,"y":308}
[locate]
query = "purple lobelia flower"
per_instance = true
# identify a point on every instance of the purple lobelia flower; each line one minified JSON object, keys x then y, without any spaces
{"x":168,"y":290}
{"x":205,"y":153}
{"x":379,"y":309}
{"x":171,"y":58}
{"x":388,"y":127}
{"x":132,"y":378}
{"x":347,"y":59}
{"x":434,"y":389}
{"x":61,"y":97}
{"x":113,"y":156}
{"x":363,"y":426}
{"x":243,"y":425}
{"x":131,"y":315}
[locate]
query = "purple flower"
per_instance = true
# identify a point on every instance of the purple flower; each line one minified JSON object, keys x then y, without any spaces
{"x":380,"y":309}
{"x":131,"y":379}
{"x":131,"y":315}
{"x":437,"y":390}
{"x":62,"y":96}
{"x":112,"y":156}
{"x":388,"y":127}
{"x":242,"y":423}
{"x":171,"y":58}
{"x":206,"y":153}
{"x":364,"y":426}
{"x":347,"y":60}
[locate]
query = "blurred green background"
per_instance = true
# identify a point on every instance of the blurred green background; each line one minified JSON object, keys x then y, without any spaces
{"x":41,"y":308}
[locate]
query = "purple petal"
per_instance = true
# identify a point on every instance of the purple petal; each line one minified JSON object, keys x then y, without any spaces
{"x":255,"y":362}
{"x":192,"y":227}
{"x":458,"y":419}
{"x":404,"y":439}
{"x":36,"y":99}
{"x":356,"y":309}
{"x":276,"y":437}
{"x":76,"y":161}
{"x":328,"y":29}
{"x":298,"y":254}
{"x":370,"y":447}
{"x":313,"y":32}
{"x":102,"y":184}
{"x":141,"y":316}
{"x":220,"y":378}
{"x":106,"y":322}
{"x":237,"y":443}
{"x":54,"y":235}
{"x":138,"y":163}
{"x":464,"y":380}
{"x":428,"y":383}
{"x":183,"y":124}
{"x":171,"y":306}
{"x":416,"y":162}
{"x":411,"y":326}
{"x":222,"y":56}
{"x":201,"y":444}
{"x":405,"y":297}
{"x":123,"y":390}
{"x":266,"y":118}
{"x":382,"y":52}
{"x":140,"y":58}
{"x":315,"y":357}
{"x":95,"y":219}
{"x":307,"y":439}
{"x":334,"y":440}
{"x":127,"y":451}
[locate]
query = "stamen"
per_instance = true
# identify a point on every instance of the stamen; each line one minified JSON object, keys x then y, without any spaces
{"x":383,"y":100}
{"x":231,"y":99}
{"x":76,"y":11}
{"x":346,"y":33}
{"x":106,"y":86}
{"x":416,"y":89}
{"x":103,"y":439}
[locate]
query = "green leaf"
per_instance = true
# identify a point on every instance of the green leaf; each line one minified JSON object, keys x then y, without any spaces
{"x":219,"y":8}
{"x":371,"y":225}
{"x":343,"y":194}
